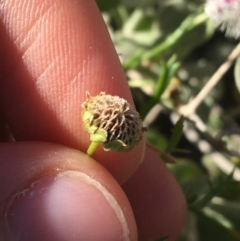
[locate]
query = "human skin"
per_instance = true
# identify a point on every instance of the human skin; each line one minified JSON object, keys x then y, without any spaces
{"x":51,"y":53}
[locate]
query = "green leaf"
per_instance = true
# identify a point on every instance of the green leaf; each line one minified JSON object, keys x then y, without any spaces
{"x":181,"y":151}
{"x":168,"y":70}
{"x":214,"y":190}
{"x":134,"y":60}
{"x":106,"y":5}
{"x":194,"y":187}
{"x":164,"y":238}
{"x":186,"y":171}
{"x":215,"y":224}
{"x":156,"y":139}
{"x":188,"y":25}
{"x":229,"y":210}
{"x":176,"y":135}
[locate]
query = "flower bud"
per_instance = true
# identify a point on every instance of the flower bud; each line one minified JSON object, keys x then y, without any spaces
{"x":112,"y":121}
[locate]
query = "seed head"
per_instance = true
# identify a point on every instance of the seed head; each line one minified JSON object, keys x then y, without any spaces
{"x":112,"y":121}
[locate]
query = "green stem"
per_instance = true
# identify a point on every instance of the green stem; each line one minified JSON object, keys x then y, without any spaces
{"x":92,"y":148}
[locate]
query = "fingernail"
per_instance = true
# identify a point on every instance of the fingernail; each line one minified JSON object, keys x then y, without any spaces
{"x":70,"y":206}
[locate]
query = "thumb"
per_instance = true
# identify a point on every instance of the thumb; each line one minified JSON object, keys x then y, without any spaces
{"x":55,"y":193}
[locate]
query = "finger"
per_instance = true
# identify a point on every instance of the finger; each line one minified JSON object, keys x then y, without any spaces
{"x":5,"y":134}
{"x":157,"y":200}
{"x":54,"y":51}
{"x":56,"y":193}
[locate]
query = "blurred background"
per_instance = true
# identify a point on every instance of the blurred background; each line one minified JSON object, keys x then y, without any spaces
{"x":169,"y":51}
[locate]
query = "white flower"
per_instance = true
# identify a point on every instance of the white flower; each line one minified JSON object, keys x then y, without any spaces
{"x":226,"y":14}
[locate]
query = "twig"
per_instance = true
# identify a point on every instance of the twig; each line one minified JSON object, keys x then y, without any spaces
{"x":218,"y":158}
{"x":191,"y":107}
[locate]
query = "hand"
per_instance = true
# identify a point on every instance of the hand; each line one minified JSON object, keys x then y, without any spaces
{"x":52,"y":52}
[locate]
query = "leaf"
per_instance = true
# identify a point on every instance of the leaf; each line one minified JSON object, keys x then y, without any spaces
{"x":156,"y":139}
{"x":168,"y":70}
{"x":106,"y":5}
{"x":193,"y":188}
{"x":164,"y":238}
{"x":229,"y":210}
{"x":181,"y":151}
{"x":214,"y":190}
{"x":187,"y":26}
{"x":176,"y":135}
{"x":211,"y":229}
{"x":188,"y":172}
